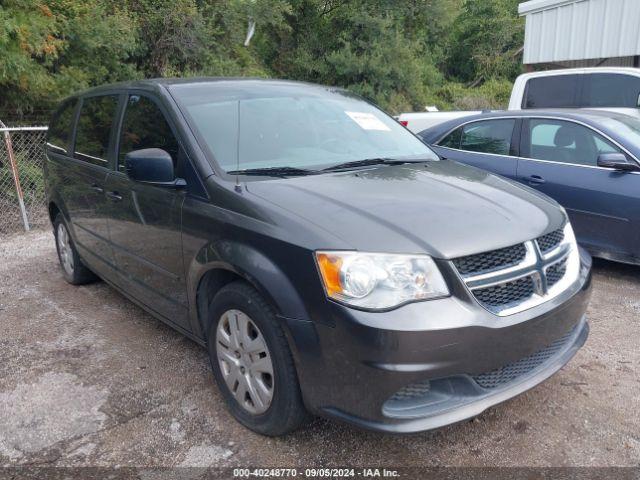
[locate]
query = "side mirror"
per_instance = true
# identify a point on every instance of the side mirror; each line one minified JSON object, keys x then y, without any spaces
{"x":151,"y":165}
{"x":617,"y":161}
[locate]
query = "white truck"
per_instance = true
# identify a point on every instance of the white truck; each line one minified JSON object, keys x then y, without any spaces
{"x":607,"y":88}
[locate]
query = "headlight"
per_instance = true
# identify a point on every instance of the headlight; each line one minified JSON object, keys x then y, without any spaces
{"x":379,"y":281}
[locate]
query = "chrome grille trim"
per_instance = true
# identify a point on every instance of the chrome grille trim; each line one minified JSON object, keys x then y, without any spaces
{"x":497,"y":277}
{"x":490,"y":261}
{"x":535,"y":266}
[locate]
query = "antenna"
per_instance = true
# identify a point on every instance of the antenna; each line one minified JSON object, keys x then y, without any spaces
{"x":238,"y":188}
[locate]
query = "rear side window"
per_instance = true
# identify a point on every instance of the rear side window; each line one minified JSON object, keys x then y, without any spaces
{"x":550,"y":92}
{"x":452,"y":140}
{"x":566,"y":142}
{"x":144,"y":126}
{"x":60,"y":127}
{"x":94,"y":128}
{"x":611,"y":90}
{"x":490,"y":136}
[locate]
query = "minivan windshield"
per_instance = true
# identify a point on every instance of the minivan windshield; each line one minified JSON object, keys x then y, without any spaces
{"x":293,"y":128}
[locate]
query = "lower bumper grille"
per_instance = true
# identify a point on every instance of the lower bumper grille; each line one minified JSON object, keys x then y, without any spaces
{"x":512,"y":371}
{"x":494,"y":379}
{"x":415,"y":390}
{"x":444,"y":395}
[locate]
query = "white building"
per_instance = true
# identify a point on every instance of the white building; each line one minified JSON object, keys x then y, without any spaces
{"x":582,"y":33}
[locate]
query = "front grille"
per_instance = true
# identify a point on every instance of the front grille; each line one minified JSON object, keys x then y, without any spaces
{"x":490,"y":261}
{"x":555,"y":273}
{"x":511,"y":279}
{"x":550,"y":241}
{"x":415,"y":390}
{"x":512,"y":371}
{"x":505,"y":293}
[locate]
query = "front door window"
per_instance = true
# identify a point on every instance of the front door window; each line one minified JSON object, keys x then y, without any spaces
{"x":566,"y":142}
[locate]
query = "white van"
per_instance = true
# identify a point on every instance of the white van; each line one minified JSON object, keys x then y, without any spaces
{"x":608,"y":88}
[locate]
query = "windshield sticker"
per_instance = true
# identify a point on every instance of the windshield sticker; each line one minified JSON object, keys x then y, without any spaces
{"x":368,"y":121}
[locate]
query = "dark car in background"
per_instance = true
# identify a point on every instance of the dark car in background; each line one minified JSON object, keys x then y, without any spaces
{"x":324,"y":255}
{"x":587,"y":160}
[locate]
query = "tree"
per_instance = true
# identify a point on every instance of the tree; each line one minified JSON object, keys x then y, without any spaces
{"x":486,"y":39}
{"x":191,"y":37}
{"x":402,"y":55}
{"x":375,"y":48}
{"x":51,"y":49}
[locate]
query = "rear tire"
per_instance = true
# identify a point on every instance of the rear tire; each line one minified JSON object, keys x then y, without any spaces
{"x":73,"y":270}
{"x":245,"y":343}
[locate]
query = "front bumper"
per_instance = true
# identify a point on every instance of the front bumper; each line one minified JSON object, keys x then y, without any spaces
{"x":456,"y":398}
{"x":353,"y":370}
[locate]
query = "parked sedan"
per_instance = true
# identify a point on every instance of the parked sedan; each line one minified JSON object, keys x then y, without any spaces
{"x":326,"y":258}
{"x":585,"y":159}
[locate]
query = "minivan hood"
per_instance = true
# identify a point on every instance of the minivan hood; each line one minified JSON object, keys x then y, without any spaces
{"x":441,"y":208}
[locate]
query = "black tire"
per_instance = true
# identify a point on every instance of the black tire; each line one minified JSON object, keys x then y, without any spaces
{"x":78,"y":274}
{"x":286,"y":411}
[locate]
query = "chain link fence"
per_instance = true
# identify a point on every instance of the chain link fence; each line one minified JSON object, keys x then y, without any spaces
{"x":22,"y":199}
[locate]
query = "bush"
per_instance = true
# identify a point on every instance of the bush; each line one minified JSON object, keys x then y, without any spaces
{"x":491,"y":95}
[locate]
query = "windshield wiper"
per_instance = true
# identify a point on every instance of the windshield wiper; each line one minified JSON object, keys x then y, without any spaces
{"x":366,"y":162}
{"x":273,"y":171}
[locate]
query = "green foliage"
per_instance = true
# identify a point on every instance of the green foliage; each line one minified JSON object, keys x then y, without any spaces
{"x":363,"y":46}
{"x":51,"y":49}
{"x":485,"y":41}
{"x":492,"y":95}
{"x":402,"y":55}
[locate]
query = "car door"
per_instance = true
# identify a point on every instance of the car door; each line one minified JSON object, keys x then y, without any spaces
{"x":488,"y":144}
{"x":82,"y":188}
{"x":145,"y":219}
{"x":559,"y":158}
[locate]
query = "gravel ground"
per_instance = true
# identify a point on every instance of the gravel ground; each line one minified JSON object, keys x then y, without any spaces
{"x":89,"y":379}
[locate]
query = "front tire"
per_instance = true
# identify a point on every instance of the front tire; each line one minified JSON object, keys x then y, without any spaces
{"x":252,"y":362}
{"x":73,"y":270}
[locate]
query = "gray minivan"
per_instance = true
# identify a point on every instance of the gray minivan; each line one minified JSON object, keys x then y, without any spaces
{"x":327,"y":259}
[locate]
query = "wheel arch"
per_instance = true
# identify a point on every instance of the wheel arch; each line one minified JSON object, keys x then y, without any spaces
{"x":55,"y":206}
{"x":243,"y":263}
{"x":54,"y":210}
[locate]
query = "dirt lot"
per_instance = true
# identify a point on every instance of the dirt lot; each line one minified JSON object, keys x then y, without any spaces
{"x":87,"y":378}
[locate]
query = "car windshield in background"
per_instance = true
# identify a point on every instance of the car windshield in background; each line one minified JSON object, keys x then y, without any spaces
{"x":626,"y":126}
{"x":296,"y":131}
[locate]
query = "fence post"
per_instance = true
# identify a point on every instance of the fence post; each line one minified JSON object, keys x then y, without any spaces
{"x":16,"y":176}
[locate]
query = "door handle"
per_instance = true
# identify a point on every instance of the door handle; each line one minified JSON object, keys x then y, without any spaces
{"x":115,"y":196}
{"x":97,"y":188}
{"x":536,"y":180}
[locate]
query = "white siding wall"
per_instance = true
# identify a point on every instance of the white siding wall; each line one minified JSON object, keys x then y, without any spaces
{"x":561,"y":30}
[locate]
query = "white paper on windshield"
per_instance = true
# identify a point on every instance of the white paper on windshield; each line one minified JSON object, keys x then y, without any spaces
{"x":368,"y":121}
